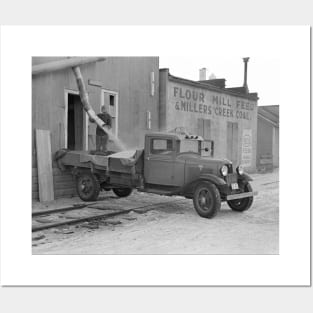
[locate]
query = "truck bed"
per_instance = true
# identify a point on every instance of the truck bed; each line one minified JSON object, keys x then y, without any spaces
{"x":122,"y":162}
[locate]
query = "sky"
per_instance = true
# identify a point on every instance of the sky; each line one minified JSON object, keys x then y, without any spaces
{"x":263,"y":73}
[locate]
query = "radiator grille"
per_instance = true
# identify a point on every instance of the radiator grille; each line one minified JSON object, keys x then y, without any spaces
{"x":231,"y":178}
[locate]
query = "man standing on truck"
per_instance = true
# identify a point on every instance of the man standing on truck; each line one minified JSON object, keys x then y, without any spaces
{"x":101,"y":136}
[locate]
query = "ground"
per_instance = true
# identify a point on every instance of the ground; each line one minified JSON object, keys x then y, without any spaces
{"x":171,"y":226}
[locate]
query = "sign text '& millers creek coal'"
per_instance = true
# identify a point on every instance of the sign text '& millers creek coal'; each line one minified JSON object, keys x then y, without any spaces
{"x":193,"y":101}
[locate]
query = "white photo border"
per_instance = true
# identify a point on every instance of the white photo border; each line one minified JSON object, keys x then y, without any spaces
{"x":291,"y":44}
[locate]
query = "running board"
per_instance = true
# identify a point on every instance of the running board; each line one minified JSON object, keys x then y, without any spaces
{"x":241,"y":195}
{"x":159,"y":191}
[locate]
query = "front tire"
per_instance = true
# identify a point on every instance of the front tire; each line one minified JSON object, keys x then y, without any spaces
{"x":206,"y":199}
{"x":87,"y":186}
{"x":122,"y":192}
{"x":243,"y":204}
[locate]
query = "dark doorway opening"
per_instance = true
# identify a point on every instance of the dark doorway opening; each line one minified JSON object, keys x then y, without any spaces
{"x":75,"y":123}
{"x":232,"y":142}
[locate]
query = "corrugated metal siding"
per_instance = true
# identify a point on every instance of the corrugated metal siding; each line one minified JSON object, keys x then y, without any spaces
{"x":264,"y":139}
{"x":276,"y":147}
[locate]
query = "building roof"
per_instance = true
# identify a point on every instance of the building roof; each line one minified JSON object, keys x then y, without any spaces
{"x":212,"y":87}
{"x":269,"y":113}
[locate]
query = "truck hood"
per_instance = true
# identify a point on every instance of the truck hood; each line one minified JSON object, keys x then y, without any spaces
{"x":194,"y":157}
{"x":207,"y":164}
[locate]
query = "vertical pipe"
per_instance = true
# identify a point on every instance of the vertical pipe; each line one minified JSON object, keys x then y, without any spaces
{"x":202,"y":73}
{"x":245,"y":84}
{"x":152,"y":84}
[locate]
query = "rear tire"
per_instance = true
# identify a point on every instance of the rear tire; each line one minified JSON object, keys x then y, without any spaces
{"x":87,"y":186}
{"x":122,"y":192}
{"x":206,"y":199}
{"x":243,"y":204}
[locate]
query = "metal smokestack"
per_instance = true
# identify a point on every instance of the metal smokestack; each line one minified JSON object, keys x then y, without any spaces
{"x":202,"y":73}
{"x":245,"y":60}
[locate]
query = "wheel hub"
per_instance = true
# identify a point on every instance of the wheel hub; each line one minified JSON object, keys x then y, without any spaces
{"x":202,"y":201}
{"x":85,"y":186}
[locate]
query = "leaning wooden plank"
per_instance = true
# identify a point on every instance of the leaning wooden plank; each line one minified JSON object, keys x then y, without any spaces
{"x":44,"y":163}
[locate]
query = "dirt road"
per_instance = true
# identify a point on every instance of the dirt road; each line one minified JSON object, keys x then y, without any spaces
{"x":174,"y":228}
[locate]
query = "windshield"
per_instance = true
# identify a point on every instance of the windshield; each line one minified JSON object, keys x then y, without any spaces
{"x":189,"y":146}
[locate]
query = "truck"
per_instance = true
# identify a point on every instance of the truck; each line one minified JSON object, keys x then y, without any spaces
{"x":170,"y":164}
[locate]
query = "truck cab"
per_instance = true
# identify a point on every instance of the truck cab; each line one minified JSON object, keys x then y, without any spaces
{"x":175,"y":160}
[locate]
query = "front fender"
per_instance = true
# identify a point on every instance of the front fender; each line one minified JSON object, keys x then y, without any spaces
{"x":212,"y":179}
{"x":245,"y":177}
{"x":189,"y":188}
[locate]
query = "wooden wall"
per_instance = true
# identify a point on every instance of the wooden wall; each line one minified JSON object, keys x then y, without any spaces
{"x":265,"y":139}
{"x":63,"y":183}
{"x":129,"y":76}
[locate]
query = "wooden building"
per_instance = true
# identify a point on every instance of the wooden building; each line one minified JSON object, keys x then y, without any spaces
{"x":268,"y":137}
{"x":225,"y":117}
{"x":128,"y":86}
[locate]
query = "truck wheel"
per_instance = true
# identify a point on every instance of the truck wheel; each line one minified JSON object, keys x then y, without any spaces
{"x":206,"y":199}
{"x":87,"y":186}
{"x":122,"y":192}
{"x":242,"y":204}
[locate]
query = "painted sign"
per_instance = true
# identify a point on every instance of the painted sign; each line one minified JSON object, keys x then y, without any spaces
{"x":246,"y":153}
{"x":210,"y":103}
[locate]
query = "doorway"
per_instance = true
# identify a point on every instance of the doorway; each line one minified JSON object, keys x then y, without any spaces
{"x":75,"y":122}
{"x":232,"y":142}
{"x":109,"y":99}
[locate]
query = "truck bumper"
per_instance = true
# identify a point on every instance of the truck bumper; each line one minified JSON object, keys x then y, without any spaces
{"x":241,"y":195}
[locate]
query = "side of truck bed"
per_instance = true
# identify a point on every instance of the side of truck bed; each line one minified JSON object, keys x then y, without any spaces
{"x":82,"y":159}
{"x":122,"y":162}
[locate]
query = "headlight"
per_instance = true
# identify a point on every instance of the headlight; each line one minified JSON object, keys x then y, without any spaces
{"x":239,"y":170}
{"x":224,"y":170}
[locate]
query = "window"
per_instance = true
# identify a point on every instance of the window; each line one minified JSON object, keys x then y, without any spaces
{"x":188,"y":145}
{"x":207,"y":144}
{"x":112,"y":102}
{"x":162,"y":146}
{"x":109,"y":99}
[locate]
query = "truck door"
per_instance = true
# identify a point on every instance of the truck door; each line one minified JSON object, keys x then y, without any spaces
{"x":159,"y":161}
